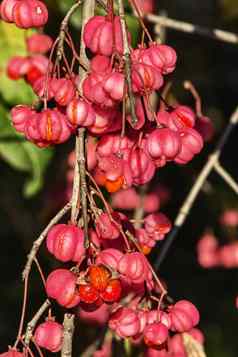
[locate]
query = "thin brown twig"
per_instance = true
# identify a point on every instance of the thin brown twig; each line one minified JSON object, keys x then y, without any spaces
{"x":76,"y":185}
{"x":187,"y":27}
{"x":68,"y":333}
{"x":32,"y":324}
{"x":63,"y":27}
{"x":40,"y":271}
{"x":23,"y":313}
{"x":37,"y":243}
{"x":127,"y":59}
{"x":226,"y":177}
{"x":83,"y":184}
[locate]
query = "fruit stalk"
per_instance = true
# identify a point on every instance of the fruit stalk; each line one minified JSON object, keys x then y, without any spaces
{"x":67,"y":335}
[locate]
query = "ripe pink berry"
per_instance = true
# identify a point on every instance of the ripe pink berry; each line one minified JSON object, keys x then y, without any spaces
{"x":105,"y":228}
{"x":154,"y":352}
{"x":53,"y":127}
{"x":182,"y":117}
{"x":176,"y":345}
{"x":106,"y":121}
{"x":157,"y":225}
{"x":141,"y":166}
{"x":133,"y":266}
{"x":192,"y":144}
{"x":229,"y":218}
{"x":113,"y":291}
{"x":49,"y":335}
{"x":151,"y":202}
{"x":207,"y":249}
{"x":12,"y":352}
{"x":109,"y":257}
{"x":102,"y":36}
{"x":30,"y":13}
{"x":163,"y":143}
{"x":42,"y":87}
{"x":80,"y":113}
{"x":155,"y":334}
{"x":39,"y":64}
{"x":125,"y":322}
{"x":184,"y":316}
{"x":88,"y":294}
{"x":19,"y":116}
{"x":100,"y":64}
{"x":197,"y":335}
{"x":61,"y":286}
{"x":146,"y":6}
{"x":64,"y":91}
{"x":66,"y":242}
{"x":6,"y":10}
{"x":39,"y":43}
{"x":162,"y":57}
{"x":114,"y":86}
{"x":18,"y":67}
{"x":228,"y":255}
{"x":98,"y":317}
{"x":145,"y":78}
{"x":205,"y":127}
{"x":126,"y":199}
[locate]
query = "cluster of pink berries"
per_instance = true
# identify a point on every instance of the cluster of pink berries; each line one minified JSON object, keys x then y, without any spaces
{"x":123,"y":150}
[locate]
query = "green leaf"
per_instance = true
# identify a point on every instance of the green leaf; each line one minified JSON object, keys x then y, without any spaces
{"x":39,"y":159}
{"x":12,"y":43}
{"x":23,"y":155}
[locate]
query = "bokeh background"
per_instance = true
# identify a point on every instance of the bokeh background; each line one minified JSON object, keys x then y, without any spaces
{"x":33,"y":183}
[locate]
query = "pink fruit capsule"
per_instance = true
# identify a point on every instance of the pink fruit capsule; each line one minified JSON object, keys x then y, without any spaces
{"x":49,"y":335}
{"x":80,"y":113}
{"x":66,"y":242}
{"x":61,"y":286}
{"x":6,"y":10}
{"x":30,"y":13}
{"x":39,"y":43}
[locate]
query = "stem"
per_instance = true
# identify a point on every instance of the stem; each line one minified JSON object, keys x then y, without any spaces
{"x":37,"y":243}
{"x":76,"y":185}
{"x":139,"y":14}
{"x":23,"y":313}
{"x":127,"y":58}
{"x":83,"y":185}
{"x":32,"y":324}
{"x":190,"y":199}
{"x":68,"y":335}
{"x":226,"y":177}
{"x":189,"y":86}
{"x":87,"y":12}
{"x":215,"y":34}
{"x":63,"y":27}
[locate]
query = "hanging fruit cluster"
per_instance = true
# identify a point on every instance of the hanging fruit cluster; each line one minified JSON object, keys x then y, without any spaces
{"x":128,"y":141}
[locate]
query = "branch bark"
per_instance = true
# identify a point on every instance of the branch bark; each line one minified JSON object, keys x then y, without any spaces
{"x":32,"y":324}
{"x":190,"y":199}
{"x":68,"y":335}
{"x":127,"y":58}
{"x":187,"y":27}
